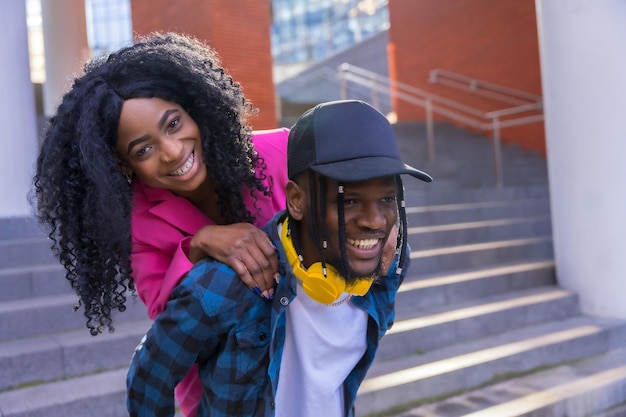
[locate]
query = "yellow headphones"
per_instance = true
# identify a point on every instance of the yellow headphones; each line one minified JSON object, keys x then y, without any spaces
{"x":322,"y":288}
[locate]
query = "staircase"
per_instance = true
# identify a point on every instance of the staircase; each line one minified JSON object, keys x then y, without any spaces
{"x":50,"y":366}
{"x":482,"y":329}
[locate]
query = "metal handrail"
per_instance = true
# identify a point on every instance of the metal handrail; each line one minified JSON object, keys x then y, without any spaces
{"x":461,"y":113}
{"x":303,"y":80}
{"x":485,"y":88}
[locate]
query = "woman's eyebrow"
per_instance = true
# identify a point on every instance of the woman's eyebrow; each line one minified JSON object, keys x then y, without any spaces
{"x":160,"y":124}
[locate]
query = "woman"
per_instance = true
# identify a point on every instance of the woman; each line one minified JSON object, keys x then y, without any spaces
{"x":148,"y":166}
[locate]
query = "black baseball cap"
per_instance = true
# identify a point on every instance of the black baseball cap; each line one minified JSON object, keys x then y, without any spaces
{"x":346,"y":140}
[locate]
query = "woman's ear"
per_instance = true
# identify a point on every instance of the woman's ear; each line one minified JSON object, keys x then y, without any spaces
{"x":296,"y":200}
{"x":126,"y":171}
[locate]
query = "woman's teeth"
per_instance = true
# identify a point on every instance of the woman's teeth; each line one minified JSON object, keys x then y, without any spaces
{"x":363,"y":244}
{"x":185,"y":168}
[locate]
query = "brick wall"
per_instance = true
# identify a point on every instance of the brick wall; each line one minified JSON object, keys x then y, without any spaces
{"x":492,"y":40}
{"x":238,"y":29}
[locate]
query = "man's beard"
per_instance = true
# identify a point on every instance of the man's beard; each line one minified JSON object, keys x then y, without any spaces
{"x":351,"y":277}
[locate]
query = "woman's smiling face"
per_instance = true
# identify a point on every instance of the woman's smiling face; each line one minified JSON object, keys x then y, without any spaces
{"x":160,"y":143}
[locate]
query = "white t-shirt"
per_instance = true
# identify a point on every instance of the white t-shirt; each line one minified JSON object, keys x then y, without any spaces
{"x":322,"y":345}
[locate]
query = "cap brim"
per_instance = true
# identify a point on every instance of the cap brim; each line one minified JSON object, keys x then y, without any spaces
{"x":368,"y":168}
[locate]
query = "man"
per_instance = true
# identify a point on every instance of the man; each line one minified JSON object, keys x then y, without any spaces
{"x":307,"y":351}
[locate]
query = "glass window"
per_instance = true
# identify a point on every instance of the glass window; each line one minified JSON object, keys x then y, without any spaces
{"x":305,"y":31}
{"x":109,"y":25}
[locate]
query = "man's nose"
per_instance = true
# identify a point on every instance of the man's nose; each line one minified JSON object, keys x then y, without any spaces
{"x":372,"y":216}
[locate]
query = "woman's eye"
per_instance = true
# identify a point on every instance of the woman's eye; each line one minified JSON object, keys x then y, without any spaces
{"x":142,"y":151}
{"x":390,"y":199}
{"x":173,"y":123}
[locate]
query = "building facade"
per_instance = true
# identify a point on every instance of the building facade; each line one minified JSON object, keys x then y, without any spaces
{"x":239,"y":30}
{"x":490,"y":40}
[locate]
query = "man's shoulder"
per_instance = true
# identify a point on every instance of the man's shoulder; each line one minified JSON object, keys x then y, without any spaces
{"x":215,"y":284}
{"x":211,"y":274}
{"x":272,"y":226}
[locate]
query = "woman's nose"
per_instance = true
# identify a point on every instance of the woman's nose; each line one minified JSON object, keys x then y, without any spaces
{"x":171,"y":150}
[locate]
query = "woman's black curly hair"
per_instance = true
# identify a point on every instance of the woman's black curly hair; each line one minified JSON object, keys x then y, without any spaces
{"x":80,"y":193}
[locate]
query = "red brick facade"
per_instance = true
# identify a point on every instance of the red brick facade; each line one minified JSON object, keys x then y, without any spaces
{"x":238,"y":29}
{"x":491,"y":40}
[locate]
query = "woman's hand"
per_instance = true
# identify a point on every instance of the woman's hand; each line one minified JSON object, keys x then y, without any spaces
{"x":245,"y":248}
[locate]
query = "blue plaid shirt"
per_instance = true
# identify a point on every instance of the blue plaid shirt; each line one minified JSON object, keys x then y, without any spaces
{"x":237,"y":340}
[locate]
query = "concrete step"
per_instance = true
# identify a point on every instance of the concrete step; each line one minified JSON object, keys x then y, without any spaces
{"x":19,"y":227}
{"x":417,"y":331}
{"x":111,"y":383}
{"x":424,"y":237}
{"x":460,"y":179}
{"x":588,"y":387}
{"x":456,"y":257}
{"x":97,"y":395}
{"x":406,"y":381}
{"x":46,"y":315}
{"x":433,"y":215}
{"x":452,"y":287}
{"x":419,"y":194}
{"x":459,"y":166}
{"x":463,"y":158}
{"x":25,"y":251}
{"x":617,"y":411}
{"x":68,"y":354}
{"x":22,"y":282}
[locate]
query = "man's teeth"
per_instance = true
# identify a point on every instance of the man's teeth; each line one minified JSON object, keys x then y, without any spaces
{"x":185,"y":168}
{"x":363,"y":244}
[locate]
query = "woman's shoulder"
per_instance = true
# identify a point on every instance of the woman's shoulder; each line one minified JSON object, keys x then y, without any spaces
{"x":271,"y":141}
{"x":270,"y":134}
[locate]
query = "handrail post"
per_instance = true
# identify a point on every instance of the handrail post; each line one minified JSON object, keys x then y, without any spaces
{"x":343,"y":92}
{"x":430,"y":131}
{"x":497,"y":148}
{"x":374,"y":95}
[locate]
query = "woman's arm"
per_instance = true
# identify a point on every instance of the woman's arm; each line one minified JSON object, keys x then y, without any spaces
{"x":244,"y":248}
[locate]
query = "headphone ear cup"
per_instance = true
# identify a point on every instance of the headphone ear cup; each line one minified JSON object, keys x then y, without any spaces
{"x":360,"y":287}
{"x":324,"y":289}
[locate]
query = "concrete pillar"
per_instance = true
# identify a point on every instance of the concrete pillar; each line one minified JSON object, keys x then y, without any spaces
{"x":583,"y":66}
{"x":17,"y":107}
{"x":66,"y":47}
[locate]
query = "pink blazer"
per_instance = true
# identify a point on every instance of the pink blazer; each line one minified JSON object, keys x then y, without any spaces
{"x":163,"y":224}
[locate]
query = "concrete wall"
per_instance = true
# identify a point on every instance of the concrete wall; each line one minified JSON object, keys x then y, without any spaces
{"x":17,"y":105}
{"x":583,"y":62}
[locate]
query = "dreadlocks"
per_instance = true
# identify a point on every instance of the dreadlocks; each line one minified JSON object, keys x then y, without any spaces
{"x":317,"y":196}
